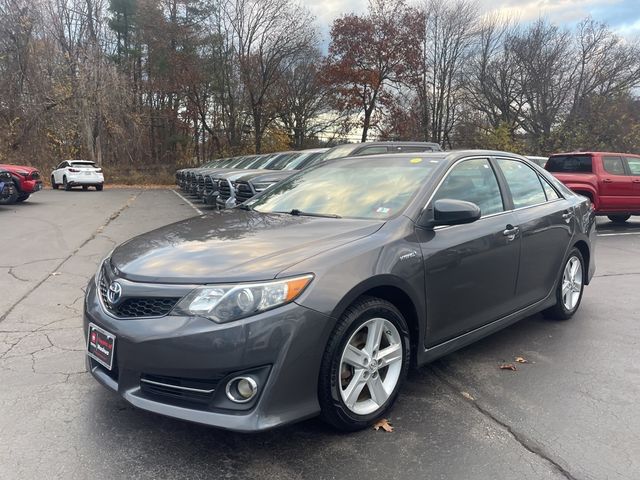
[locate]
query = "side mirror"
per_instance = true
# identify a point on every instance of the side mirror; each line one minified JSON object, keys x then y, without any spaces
{"x":450,"y":212}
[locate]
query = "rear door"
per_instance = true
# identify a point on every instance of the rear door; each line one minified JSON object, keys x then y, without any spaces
{"x":545,"y":221}
{"x":615,"y":184}
{"x":470,"y":270}
{"x":633,"y":167}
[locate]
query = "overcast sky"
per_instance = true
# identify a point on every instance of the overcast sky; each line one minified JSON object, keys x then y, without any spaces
{"x":622,"y":15}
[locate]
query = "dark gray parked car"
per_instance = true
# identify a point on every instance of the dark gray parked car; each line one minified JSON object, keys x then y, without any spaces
{"x":317,"y":295}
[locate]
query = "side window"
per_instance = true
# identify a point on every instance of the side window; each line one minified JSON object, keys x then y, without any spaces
{"x":613,"y":165}
{"x":473,"y":181}
{"x":372,"y":150}
{"x":634,"y":165}
{"x":62,"y":164}
{"x":523,"y":182}
{"x":549,"y":191}
{"x":415,"y":149}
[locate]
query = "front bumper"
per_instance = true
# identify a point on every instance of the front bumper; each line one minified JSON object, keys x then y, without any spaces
{"x":281,"y":348}
{"x":31,"y":186}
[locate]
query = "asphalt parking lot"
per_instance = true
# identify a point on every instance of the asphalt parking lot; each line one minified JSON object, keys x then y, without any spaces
{"x":572,"y":411}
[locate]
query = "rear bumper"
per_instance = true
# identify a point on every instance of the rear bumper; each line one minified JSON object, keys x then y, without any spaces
{"x":82,"y":179}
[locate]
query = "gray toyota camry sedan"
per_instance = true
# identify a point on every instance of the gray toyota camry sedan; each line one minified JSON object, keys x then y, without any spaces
{"x":317,"y":296}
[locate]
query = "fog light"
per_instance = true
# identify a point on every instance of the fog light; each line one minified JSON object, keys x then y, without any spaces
{"x":241,"y":389}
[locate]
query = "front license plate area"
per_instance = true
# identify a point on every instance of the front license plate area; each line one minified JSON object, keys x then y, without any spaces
{"x":101,"y":345}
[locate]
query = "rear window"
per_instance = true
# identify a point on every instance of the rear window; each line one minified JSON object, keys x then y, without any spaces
{"x":82,"y":164}
{"x":569,"y":163}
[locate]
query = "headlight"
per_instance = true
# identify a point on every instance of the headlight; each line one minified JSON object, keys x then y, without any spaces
{"x":261,"y":187}
{"x":224,"y":303}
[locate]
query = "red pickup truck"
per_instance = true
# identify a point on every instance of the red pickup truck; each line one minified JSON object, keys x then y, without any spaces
{"x":610,"y":180}
{"x":26,"y":180}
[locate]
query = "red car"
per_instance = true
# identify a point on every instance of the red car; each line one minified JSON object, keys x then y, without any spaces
{"x":610,"y":180}
{"x":27,"y":180}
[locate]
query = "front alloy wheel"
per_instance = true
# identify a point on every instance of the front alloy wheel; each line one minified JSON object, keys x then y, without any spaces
{"x":364,"y":365}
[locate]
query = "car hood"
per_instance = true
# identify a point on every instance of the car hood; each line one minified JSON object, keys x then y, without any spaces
{"x":15,"y":168}
{"x":232,"y":246}
{"x":234,"y":174}
{"x":268,"y":177}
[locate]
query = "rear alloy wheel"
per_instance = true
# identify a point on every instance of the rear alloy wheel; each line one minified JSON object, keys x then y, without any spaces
{"x":84,"y":187}
{"x":364,"y":365}
{"x":65,"y":184}
{"x":570,"y":288}
{"x":99,"y":187}
{"x":619,"y":218}
{"x":54,"y":185}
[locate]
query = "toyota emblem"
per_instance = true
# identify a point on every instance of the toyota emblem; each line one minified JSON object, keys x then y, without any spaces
{"x":114,"y":293}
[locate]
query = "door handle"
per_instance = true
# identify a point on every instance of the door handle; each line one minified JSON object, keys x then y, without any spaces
{"x":636,"y":181}
{"x":607,"y":180}
{"x":510,"y":232}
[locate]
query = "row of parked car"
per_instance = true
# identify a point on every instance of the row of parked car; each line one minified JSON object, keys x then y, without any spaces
{"x":227,"y":182}
{"x":610,"y":180}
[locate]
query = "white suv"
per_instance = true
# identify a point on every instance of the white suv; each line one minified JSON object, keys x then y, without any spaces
{"x":71,"y":173}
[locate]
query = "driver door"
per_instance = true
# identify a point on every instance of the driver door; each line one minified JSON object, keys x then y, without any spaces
{"x":471,"y":269}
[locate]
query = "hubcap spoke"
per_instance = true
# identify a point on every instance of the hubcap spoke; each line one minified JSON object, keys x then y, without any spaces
{"x":389,"y":355}
{"x":374,"y":335}
{"x":353,"y":390}
{"x":376,"y":388}
{"x":355,"y":357}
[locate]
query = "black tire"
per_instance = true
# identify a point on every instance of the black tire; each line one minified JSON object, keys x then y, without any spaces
{"x":99,"y":187}
{"x":54,"y":185}
{"x":618,"y":218}
{"x":22,"y":197}
{"x":84,"y":187}
{"x":333,"y":409}
{"x":11,"y":199}
{"x":559,"y":311}
{"x":65,"y":184}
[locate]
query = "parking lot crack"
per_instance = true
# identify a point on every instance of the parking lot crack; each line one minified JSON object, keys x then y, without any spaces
{"x":523,"y":440}
{"x":99,"y":230}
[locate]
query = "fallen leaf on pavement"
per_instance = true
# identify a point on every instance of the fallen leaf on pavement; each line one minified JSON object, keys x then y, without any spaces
{"x":55,"y":274}
{"x":467,"y":395}
{"x":521,"y":360}
{"x":508,"y":366}
{"x":384,"y":424}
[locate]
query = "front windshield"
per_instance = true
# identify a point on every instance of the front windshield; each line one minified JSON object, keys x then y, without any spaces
{"x":340,"y":151}
{"x":246,"y":161}
{"x":300,"y":162}
{"x":354,"y":188}
{"x":283,"y":161}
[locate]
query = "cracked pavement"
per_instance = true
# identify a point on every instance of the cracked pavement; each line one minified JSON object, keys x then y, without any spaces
{"x":570,"y":413}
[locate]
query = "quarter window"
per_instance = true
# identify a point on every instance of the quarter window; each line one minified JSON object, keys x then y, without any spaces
{"x":524,"y":183}
{"x":473,"y":181}
{"x":549,"y":190}
{"x":634,"y":165}
{"x":613,"y":165}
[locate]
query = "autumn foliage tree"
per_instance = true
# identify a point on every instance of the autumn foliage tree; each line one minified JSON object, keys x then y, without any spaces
{"x":371,"y":54}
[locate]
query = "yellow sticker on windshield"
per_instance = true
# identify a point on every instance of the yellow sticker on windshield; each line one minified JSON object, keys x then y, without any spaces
{"x":415,"y":160}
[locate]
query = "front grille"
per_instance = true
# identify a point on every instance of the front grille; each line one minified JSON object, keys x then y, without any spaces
{"x":137,"y":306}
{"x":243,"y":192}
{"x":180,"y":389}
{"x":225,"y":190}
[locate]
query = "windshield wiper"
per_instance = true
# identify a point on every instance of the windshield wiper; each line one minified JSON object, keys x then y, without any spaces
{"x":300,"y":213}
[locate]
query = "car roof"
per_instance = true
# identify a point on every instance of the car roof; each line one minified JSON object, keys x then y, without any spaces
{"x":594,"y":153}
{"x":449,"y":155}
